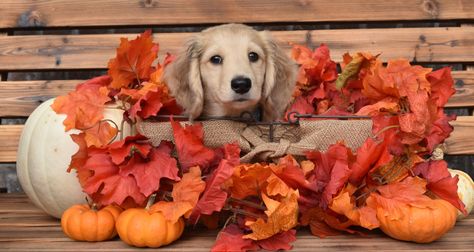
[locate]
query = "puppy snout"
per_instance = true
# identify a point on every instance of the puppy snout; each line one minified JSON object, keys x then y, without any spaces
{"x":241,"y":85}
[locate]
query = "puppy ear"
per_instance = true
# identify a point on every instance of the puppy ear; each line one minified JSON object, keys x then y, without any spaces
{"x":280,"y":78}
{"x":183,"y":77}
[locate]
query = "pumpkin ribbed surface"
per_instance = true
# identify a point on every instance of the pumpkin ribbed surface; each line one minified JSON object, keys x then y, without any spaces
{"x":421,"y":224}
{"x":142,"y":228}
{"x":84,"y":224}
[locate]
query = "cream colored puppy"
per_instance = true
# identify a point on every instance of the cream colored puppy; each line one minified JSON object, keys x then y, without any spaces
{"x":228,"y":69}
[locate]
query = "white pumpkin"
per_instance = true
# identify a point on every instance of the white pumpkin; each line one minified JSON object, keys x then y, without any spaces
{"x":44,"y":154}
{"x":465,"y":190}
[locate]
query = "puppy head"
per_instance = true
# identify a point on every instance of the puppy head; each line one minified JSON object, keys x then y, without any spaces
{"x":229,"y":69}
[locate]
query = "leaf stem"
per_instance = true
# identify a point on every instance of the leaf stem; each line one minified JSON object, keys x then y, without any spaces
{"x":150,"y":202}
{"x":247,"y":203}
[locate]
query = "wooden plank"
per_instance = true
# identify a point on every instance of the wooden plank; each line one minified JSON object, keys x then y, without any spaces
{"x":20,"y":98}
{"x":461,"y":140}
{"x":64,"y":13}
{"x":43,"y":233}
{"x":94,"y":51}
{"x":9,"y":137}
{"x":464,"y":84}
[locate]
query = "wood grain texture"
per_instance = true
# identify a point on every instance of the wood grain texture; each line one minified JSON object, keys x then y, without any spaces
{"x":20,"y":98}
{"x":65,"y":13}
{"x":464,"y":84}
{"x":94,"y":51}
{"x":9,"y":137}
{"x":461,"y":140}
{"x":39,"y":232}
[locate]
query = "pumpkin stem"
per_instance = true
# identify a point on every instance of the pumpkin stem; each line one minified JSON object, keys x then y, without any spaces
{"x":150,"y":202}
{"x":94,"y":207}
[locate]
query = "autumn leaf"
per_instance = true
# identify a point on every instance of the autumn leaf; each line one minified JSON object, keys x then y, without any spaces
{"x":230,"y":239}
{"x":135,"y":178}
{"x":367,"y":156}
{"x":84,"y":108}
{"x":100,"y":134}
{"x":278,"y":242}
{"x":80,"y":158}
{"x":440,"y":130}
{"x":441,"y":86}
{"x":323,"y":224}
{"x":276,"y":186}
{"x":190,"y":146}
{"x":291,"y":173}
{"x":301,"y":106}
{"x":316,"y":67}
{"x":248,"y":179}
{"x":344,"y":204}
{"x":126,"y":148}
{"x":172,"y":211}
{"x":94,"y":84}
{"x":214,"y":198}
{"x":332,"y":170}
{"x":189,"y":188}
{"x":355,"y":67}
{"x":156,"y":76}
{"x":133,"y":60}
{"x":440,"y":181}
{"x":148,"y":172}
{"x":107,"y":185}
{"x":281,"y":217}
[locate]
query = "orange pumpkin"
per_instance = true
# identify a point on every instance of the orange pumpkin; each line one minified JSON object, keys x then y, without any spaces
{"x":419,"y":223}
{"x":82,"y":223}
{"x":147,"y":228}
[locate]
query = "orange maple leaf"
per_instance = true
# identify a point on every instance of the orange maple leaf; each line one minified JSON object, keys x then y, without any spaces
{"x":133,"y":61}
{"x":248,"y":179}
{"x":282,"y":216}
{"x":189,"y":188}
{"x":344,"y":204}
{"x":83,"y":108}
{"x":100,"y":134}
{"x":172,"y":211}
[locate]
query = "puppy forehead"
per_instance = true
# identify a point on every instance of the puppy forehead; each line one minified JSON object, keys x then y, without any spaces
{"x":234,"y":39}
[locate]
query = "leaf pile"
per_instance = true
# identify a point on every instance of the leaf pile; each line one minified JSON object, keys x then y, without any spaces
{"x":262,"y":204}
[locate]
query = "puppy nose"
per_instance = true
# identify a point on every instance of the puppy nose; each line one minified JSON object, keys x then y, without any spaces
{"x":241,"y":85}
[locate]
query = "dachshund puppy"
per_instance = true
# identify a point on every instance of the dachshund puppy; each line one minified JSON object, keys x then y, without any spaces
{"x":228,"y":69}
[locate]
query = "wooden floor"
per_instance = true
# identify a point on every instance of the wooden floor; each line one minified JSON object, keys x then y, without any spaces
{"x":24,"y":227}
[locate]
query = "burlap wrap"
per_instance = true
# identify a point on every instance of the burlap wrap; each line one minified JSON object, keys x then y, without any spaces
{"x":254,"y":141}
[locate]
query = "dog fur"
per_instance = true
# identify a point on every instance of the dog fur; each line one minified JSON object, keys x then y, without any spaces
{"x":204,"y":88}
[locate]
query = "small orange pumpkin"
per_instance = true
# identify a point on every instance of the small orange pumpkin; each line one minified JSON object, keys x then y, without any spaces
{"x":147,"y":228}
{"x":419,"y":224}
{"x":81,"y":223}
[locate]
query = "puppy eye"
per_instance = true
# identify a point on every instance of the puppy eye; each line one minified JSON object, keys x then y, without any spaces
{"x":253,"y":57}
{"x":216,"y":60}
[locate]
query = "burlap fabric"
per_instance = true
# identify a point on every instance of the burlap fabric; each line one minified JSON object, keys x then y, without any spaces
{"x":254,"y":140}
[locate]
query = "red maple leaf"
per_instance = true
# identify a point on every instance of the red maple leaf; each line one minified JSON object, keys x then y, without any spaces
{"x":190,"y":146}
{"x":440,"y":181}
{"x":332,"y":170}
{"x":123,"y":149}
{"x":94,"y":83}
{"x":133,"y":60}
{"x":214,"y":197}
{"x":441,"y":86}
{"x":136,"y":177}
{"x":230,"y":239}
{"x":79,"y":158}
{"x":278,"y":242}
{"x":148,"y":172}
